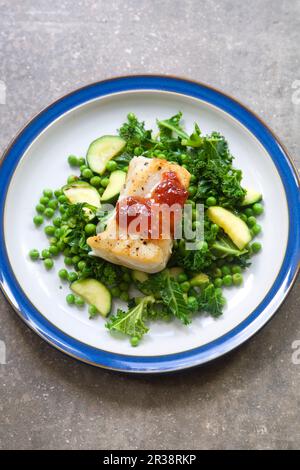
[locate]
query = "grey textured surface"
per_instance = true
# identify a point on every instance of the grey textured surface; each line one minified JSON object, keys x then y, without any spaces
{"x":249,"y":399}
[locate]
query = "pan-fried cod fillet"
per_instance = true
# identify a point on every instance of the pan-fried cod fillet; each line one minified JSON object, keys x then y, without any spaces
{"x":146,"y":255}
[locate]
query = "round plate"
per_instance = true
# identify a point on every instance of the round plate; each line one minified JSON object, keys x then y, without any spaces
{"x":37,"y":159}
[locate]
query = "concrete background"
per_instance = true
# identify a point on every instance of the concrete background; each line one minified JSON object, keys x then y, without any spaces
{"x":250,"y":399}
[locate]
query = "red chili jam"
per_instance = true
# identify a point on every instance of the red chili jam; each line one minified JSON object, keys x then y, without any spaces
{"x":169,"y":191}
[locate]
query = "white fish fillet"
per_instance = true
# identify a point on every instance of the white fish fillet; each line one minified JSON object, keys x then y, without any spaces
{"x":150,"y":256}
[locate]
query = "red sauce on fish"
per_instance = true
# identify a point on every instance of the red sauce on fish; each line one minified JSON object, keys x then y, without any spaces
{"x":169,"y":192}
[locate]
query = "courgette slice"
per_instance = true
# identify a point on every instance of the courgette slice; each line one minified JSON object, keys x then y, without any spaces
{"x":235,"y":227}
{"x":94,"y":293}
{"x":116,"y":182}
{"x":251,"y":197}
{"x":82,"y":192}
{"x":102,"y":150}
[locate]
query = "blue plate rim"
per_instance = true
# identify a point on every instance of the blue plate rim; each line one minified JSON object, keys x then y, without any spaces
{"x":196,"y":356}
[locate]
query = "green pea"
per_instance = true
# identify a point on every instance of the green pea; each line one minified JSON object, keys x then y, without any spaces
{"x":81,"y":161}
{"x":256,"y":247}
{"x":53,"y":250}
{"x":62,"y":210}
{"x":48,"y":193}
{"x":104,"y":182}
{"x":256,"y":229}
{"x":183,"y":157}
{"x":87,"y":173}
{"x":195,"y":224}
{"x":211,"y":201}
{"x":95,"y":181}
{"x":249,"y":212}
{"x":56,"y":222}
{"x":74,"y":250}
{"x":72,"y":277}
{"x":70,"y":299}
{"x":53,"y":204}
{"x":44,"y":200}
{"x":93,"y":311}
{"x":218,"y":282}
{"x":111,"y":166}
{"x":124,"y":296}
{"x":194,"y":214}
{"x":49,"y":212}
{"x":48,"y":263}
{"x":227,"y":280}
{"x":63,"y":274}
{"x":72,"y":178}
{"x":225,"y":270}
{"x":73,"y":160}
{"x":40,"y":208}
{"x":38,"y":220}
{"x":61,"y":245}
{"x":62,"y":199}
{"x":138,"y":151}
{"x":101,"y":191}
{"x":126,"y":277}
{"x":192,"y":190}
{"x":193,"y":179}
{"x":125,"y":168}
{"x":192,"y":302}
{"x":34,"y":254}
{"x":134,"y":341}
{"x":215,"y":228}
{"x":57,"y":193}
{"x":49,"y":230}
{"x":185,"y":167}
{"x":191,"y":202}
{"x":237,"y":279}
{"x":76,"y":259}
{"x":124,"y":286}
{"x":115,"y":291}
{"x":182,"y":277}
{"x":90,"y":229}
{"x":243,"y":217}
{"x":46,"y":253}
{"x":67,"y":251}
{"x":68,"y":261}
{"x":79,"y":301}
{"x":217,"y":272}
{"x":185,"y":286}
{"x":81,"y":265}
{"x":236,"y":269}
{"x":53,"y":240}
{"x":258,"y":208}
{"x":83,"y":167}
{"x":251,"y":221}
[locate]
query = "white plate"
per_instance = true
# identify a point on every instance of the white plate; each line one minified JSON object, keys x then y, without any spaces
{"x":43,"y":163}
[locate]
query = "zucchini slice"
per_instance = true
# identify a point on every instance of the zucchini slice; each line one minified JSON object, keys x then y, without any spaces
{"x":235,"y":227}
{"x":80,"y":192}
{"x":116,"y":182}
{"x":102,"y":150}
{"x":94,"y":293}
{"x":251,"y":197}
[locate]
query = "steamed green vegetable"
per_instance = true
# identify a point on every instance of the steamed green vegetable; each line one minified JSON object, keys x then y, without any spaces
{"x":194,"y":280}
